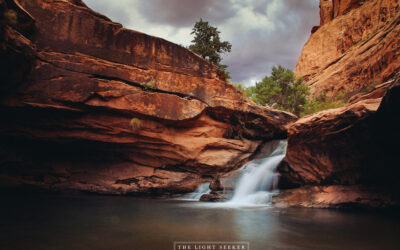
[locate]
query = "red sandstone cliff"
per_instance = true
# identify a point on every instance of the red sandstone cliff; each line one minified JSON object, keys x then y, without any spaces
{"x":357,"y":44}
{"x":111,"y":110}
{"x":347,"y":156}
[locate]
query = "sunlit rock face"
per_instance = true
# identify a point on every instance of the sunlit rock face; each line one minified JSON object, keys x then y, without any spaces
{"x":110,"y":110}
{"x":345,"y":157}
{"x":325,"y":11}
{"x":357,"y":44}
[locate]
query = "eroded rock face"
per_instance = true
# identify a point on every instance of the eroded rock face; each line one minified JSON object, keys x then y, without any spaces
{"x":345,"y":157}
{"x":328,"y":147}
{"x":111,"y":110}
{"x":16,"y":51}
{"x":342,"y":7}
{"x":357,"y":45}
{"x":345,"y":148}
{"x":325,"y":11}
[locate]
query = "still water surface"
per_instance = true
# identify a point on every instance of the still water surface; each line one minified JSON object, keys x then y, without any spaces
{"x":108,"y":222}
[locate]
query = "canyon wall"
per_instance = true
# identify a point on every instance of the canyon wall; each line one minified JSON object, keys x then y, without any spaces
{"x":346,"y":157}
{"x":100,"y":108}
{"x":356,"y":45}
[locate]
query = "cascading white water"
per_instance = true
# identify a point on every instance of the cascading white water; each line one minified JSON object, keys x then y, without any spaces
{"x":258,"y":178}
{"x":195,"y":196}
{"x":255,"y":182}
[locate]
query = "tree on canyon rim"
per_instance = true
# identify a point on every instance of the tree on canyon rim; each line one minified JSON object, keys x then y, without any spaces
{"x":208,"y":44}
{"x":281,"y":90}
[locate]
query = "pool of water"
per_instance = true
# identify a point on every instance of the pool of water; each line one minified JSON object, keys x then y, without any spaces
{"x":109,"y":222}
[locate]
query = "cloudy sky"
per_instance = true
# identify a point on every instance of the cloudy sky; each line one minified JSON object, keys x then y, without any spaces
{"x":263,"y":33}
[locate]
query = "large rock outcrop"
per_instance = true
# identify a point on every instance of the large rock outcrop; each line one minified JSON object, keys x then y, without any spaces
{"x":356,"y":45}
{"x":346,"y":156}
{"x":105,"y":109}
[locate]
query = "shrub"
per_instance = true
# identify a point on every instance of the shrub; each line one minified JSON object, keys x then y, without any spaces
{"x":320,"y":103}
{"x":239,"y":87}
{"x":282,"y":90}
{"x":150,"y":85}
{"x":135,"y":123}
{"x":11,"y":17}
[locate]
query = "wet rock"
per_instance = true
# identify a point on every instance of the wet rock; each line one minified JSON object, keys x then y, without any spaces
{"x":213,"y":197}
{"x":216,"y":185}
{"x":337,"y":196}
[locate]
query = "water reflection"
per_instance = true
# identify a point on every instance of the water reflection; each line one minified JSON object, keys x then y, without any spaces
{"x":98,"y":222}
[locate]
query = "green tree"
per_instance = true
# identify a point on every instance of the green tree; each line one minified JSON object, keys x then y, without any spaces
{"x":240,"y":87}
{"x":223,"y":68}
{"x":297,"y":97}
{"x":281,"y":90}
{"x":208,"y":44}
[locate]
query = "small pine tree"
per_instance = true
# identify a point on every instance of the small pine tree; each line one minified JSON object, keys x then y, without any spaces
{"x":208,"y":44}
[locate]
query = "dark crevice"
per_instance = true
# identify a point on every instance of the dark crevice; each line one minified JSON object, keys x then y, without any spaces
{"x":145,"y":88}
{"x":334,"y":61}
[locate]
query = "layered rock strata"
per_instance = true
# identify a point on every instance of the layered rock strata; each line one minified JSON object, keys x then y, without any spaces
{"x":101,"y":108}
{"x":356,"y":45}
{"x":346,"y":156}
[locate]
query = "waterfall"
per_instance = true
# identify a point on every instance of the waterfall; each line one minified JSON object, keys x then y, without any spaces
{"x":195,"y":196}
{"x":254,"y":183}
{"x":258,"y":178}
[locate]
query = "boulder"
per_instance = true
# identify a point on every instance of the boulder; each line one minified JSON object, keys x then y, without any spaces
{"x":213,"y":197}
{"x":345,"y":148}
{"x":216,"y":185}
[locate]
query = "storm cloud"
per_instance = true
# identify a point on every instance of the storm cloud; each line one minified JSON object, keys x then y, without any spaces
{"x":263,"y":33}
